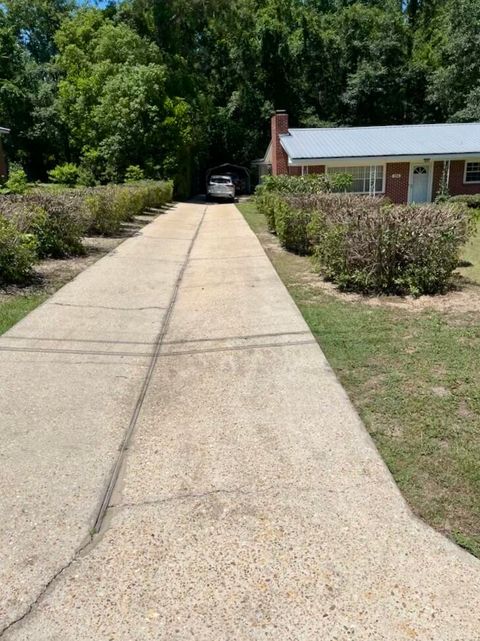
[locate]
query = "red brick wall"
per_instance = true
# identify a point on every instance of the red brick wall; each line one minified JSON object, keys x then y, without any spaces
{"x":455,"y":183}
{"x":397,"y":188}
{"x":279,"y":125}
{"x":297,"y":171}
{"x":437,"y":177}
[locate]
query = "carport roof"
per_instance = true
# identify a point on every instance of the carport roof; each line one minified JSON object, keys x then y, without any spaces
{"x":388,"y":141}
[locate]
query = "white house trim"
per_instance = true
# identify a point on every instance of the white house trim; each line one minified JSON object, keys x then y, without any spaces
{"x":377,"y":160}
{"x":465,"y":181}
{"x":429,"y":165}
{"x":364,"y":164}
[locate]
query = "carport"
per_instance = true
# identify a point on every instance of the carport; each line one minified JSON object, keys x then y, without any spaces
{"x":240,"y":176}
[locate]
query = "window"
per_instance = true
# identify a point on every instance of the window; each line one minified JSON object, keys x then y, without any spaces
{"x":220,"y":180}
{"x":472,"y":172}
{"x":366,"y":180}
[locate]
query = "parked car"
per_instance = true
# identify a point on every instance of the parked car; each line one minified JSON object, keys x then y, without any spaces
{"x":221,"y":187}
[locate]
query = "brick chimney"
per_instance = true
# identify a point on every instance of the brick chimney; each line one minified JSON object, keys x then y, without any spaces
{"x":279,"y":124}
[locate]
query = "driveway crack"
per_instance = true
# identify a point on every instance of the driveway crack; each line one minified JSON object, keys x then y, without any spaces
{"x":114,"y":474}
{"x":146,"y":383}
{"x":46,"y":587}
{"x":110,"y":307}
{"x":202,"y":495}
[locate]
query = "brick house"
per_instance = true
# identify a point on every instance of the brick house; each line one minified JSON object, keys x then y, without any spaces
{"x":3,"y":158}
{"x":404,"y":162}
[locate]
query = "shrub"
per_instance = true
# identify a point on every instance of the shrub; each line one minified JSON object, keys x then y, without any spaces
{"x":105,"y":218}
{"x":17,"y":180}
{"x":274,"y":189}
{"x":59,"y":224}
{"x":158,"y":193}
{"x":470,"y":200}
{"x":365,"y":245}
{"x":86,"y":178}
{"x":134,"y":173}
{"x":127,"y":202}
{"x":57,"y":220}
{"x":266,"y":203}
{"x":292,"y":228}
{"x":308,"y":184}
{"x":110,"y":206}
{"x":66,"y":174}
{"x":17,"y":253}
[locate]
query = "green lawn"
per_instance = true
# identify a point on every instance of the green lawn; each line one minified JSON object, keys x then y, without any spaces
{"x":16,"y":307}
{"x":414,"y":378}
{"x":471,"y":257}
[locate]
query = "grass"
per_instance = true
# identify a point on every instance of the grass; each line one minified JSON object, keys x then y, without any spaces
{"x":16,"y":307}
{"x":471,"y":259}
{"x":413,"y":377}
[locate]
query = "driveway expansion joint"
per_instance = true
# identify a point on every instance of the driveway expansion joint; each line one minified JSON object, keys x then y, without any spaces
{"x":124,"y":446}
{"x":242,"y":495}
{"x":237,"y":348}
{"x":146,"y":382}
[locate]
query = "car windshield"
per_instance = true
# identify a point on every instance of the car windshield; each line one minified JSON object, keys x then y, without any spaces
{"x":220,"y":180}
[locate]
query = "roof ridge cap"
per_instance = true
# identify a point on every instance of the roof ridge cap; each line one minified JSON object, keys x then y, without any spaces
{"x":404,"y":126}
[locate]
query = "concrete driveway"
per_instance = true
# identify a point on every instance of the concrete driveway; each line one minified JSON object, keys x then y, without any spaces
{"x":178,"y":461}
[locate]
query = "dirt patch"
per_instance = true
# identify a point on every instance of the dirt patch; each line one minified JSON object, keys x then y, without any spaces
{"x":464,"y":296}
{"x":441,"y":392}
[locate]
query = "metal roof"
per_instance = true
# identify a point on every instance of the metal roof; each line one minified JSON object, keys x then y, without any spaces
{"x":393,"y":140}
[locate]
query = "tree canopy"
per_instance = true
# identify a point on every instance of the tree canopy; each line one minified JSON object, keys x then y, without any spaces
{"x":175,"y":86}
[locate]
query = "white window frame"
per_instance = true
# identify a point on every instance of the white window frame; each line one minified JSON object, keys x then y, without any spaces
{"x":369,"y":192}
{"x":469,"y":182}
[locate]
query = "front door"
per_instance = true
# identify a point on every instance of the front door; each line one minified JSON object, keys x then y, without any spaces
{"x":420,"y":184}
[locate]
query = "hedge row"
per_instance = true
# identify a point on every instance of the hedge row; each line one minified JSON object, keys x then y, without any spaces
{"x":52,"y":224}
{"x":368,"y":245}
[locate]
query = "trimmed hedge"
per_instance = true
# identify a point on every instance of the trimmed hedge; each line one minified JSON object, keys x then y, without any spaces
{"x":308,"y":184}
{"x":368,"y":245}
{"x":274,"y":190}
{"x":390,"y":249}
{"x":471,"y":200}
{"x":52,"y":224}
{"x":18,"y":253}
{"x":58,"y":221}
{"x":108,"y":207}
{"x":293,"y":225}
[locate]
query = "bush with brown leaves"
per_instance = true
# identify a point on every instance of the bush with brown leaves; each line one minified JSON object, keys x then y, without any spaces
{"x":368,"y":245}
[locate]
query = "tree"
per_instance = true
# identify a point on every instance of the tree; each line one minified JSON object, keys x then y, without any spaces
{"x":454,"y":84}
{"x":28,"y":82}
{"x":113,"y":98}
